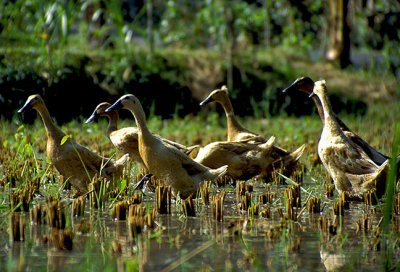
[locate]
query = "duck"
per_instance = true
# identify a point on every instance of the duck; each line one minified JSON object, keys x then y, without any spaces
{"x":351,"y":169}
{"x":63,"y":151}
{"x":306,"y":84}
{"x":126,"y":139}
{"x":236,"y":132}
{"x":283,"y":159}
{"x":173,"y":167}
{"x":244,"y":160}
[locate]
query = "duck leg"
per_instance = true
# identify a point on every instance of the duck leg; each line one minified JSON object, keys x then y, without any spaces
{"x":140,"y":184}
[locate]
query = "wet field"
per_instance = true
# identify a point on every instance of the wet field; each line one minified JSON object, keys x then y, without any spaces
{"x":257,"y":226}
{"x":257,"y":238}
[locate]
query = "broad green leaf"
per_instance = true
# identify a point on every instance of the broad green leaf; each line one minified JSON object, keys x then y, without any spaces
{"x":64,"y":139}
{"x":122,"y":184}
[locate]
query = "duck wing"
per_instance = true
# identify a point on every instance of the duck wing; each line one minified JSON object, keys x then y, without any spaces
{"x":375,"y":155}
{"x":249,"y":137}
{"x":91,"y":160}
{"x":348,"y":160}
{"x":192,"y":167}
{"x":376,"y":180}
{"x":192,"y":151}
{"x":125,"y":138}
{"x":172,"y":143}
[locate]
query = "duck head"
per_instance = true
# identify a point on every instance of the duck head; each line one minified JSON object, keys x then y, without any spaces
{"x":128,"y":101}
{"x":304,"y":84}
{"x":32,"y":102}
{"x":100,"y":110}
{"x":319,"y":89}
{"x":218,"y":95}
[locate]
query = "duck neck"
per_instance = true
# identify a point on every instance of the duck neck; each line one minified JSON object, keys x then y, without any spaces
{"x":342,"y":125}
{"x":319,"y":108}
{"x":232,"y":123}
{"x":112,"y":122}
{"x":329,"y":116}
{"x":52,"y":131}
{"x":141,"y":124}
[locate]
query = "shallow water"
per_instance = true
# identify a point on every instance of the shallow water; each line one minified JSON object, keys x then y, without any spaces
{"x":239,"y":242}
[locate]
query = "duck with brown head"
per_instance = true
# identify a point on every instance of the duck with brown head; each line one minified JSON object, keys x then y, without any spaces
{"x":167,"y":163}
{"x":124,"y":139}
{"x":306,"y":84}
{"x":78,"y":169}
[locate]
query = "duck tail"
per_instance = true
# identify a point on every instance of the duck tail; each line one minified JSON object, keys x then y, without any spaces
{"x":219,"y":172}
{"x":290,"y":161}
{"x":269,"y":143}
{"x":121,"y":162}
{"x":382,"y":171}
{"x":298,"y":153}
{"x":379,"y":179}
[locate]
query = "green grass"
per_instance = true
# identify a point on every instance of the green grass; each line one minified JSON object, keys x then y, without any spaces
{"x":28,"y":141}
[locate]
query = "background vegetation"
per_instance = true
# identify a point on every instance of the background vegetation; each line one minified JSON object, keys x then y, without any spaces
{"x":172,"y":53}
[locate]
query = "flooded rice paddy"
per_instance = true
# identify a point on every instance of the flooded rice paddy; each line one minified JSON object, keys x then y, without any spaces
{"x":242,"y":227}
{"x":257,"y":238}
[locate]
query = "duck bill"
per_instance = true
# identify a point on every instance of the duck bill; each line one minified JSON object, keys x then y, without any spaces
{"x":312,"y":94}
{"x":290,"y":88}
{"x":25,"y":107}
{"x":206,"y":101}
{"x":92,"y":118}
{"x":117,"y":105}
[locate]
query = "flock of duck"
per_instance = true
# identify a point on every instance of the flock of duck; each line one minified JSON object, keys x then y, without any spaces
{"x":353,"y":164}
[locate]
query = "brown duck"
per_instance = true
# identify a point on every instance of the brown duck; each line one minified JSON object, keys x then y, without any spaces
{"x":126,"y":139}
{"x":282,"y":158}
{"x":350,"y":167}
{"x":235,"y":131}
{"x":78,"y":169}
{"x":244,"y":160}
{"x":306,"y":84}
{"x":167,"y":163}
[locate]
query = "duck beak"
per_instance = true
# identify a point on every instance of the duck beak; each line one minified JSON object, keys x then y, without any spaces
{"x":206,"y":101}
{"x":117,"y":105}
{"x":92,"y":117}
{"x":290,"y":88}
{"x":26,"y":106}
{"x":294,"y":86}
{"x":312,"y":94}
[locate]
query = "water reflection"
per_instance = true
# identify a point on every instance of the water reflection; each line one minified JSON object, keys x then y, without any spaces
{"x":333,"y":261}
{"x":242,"y":241}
